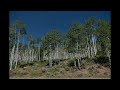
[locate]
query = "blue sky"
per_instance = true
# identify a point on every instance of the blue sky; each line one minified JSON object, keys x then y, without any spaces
{"x":38,"y":23}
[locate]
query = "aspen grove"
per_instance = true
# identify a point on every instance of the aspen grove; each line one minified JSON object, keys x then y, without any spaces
{"x":82,"y":41}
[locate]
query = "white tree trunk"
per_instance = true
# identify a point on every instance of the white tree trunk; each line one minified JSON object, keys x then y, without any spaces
{"x":78,"y":64}
{"x":75,"y":63}
{"x":12,"y":54}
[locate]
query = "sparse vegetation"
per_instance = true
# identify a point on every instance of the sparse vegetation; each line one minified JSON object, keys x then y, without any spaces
{"x":57,"y":71}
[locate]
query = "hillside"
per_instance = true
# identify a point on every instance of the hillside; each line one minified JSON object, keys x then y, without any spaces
{"x":41,"y":71}
{"x":83,"y":50}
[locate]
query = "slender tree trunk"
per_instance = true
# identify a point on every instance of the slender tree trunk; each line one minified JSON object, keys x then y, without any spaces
{"x":12,"y":54}
{"x":109,"y":60}
{"x":32,"y":54}
{"x":50,"y":58}
{"x":39,"y":52}
{"x":88,"y":48}
{"x":75,"y":63}
{"x":78,"y":63}
{"x":108,"y":55}
{"x":16,"y":54}
{"x":78,"y":56}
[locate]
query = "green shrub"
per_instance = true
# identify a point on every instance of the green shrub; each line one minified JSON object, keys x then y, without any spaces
{"x":102,"y":60}
{"x":67,"y":68}
{"x":54,"y":69}
{"x":41,"y":63}
{"x":89,"y":60}
{"x":71,"y":63}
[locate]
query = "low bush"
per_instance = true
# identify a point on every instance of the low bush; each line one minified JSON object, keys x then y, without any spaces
{"x":102,"y":61}
{"x":71,"y":63}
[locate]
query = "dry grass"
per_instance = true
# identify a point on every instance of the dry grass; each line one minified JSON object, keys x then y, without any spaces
{"x":91,"y":71}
